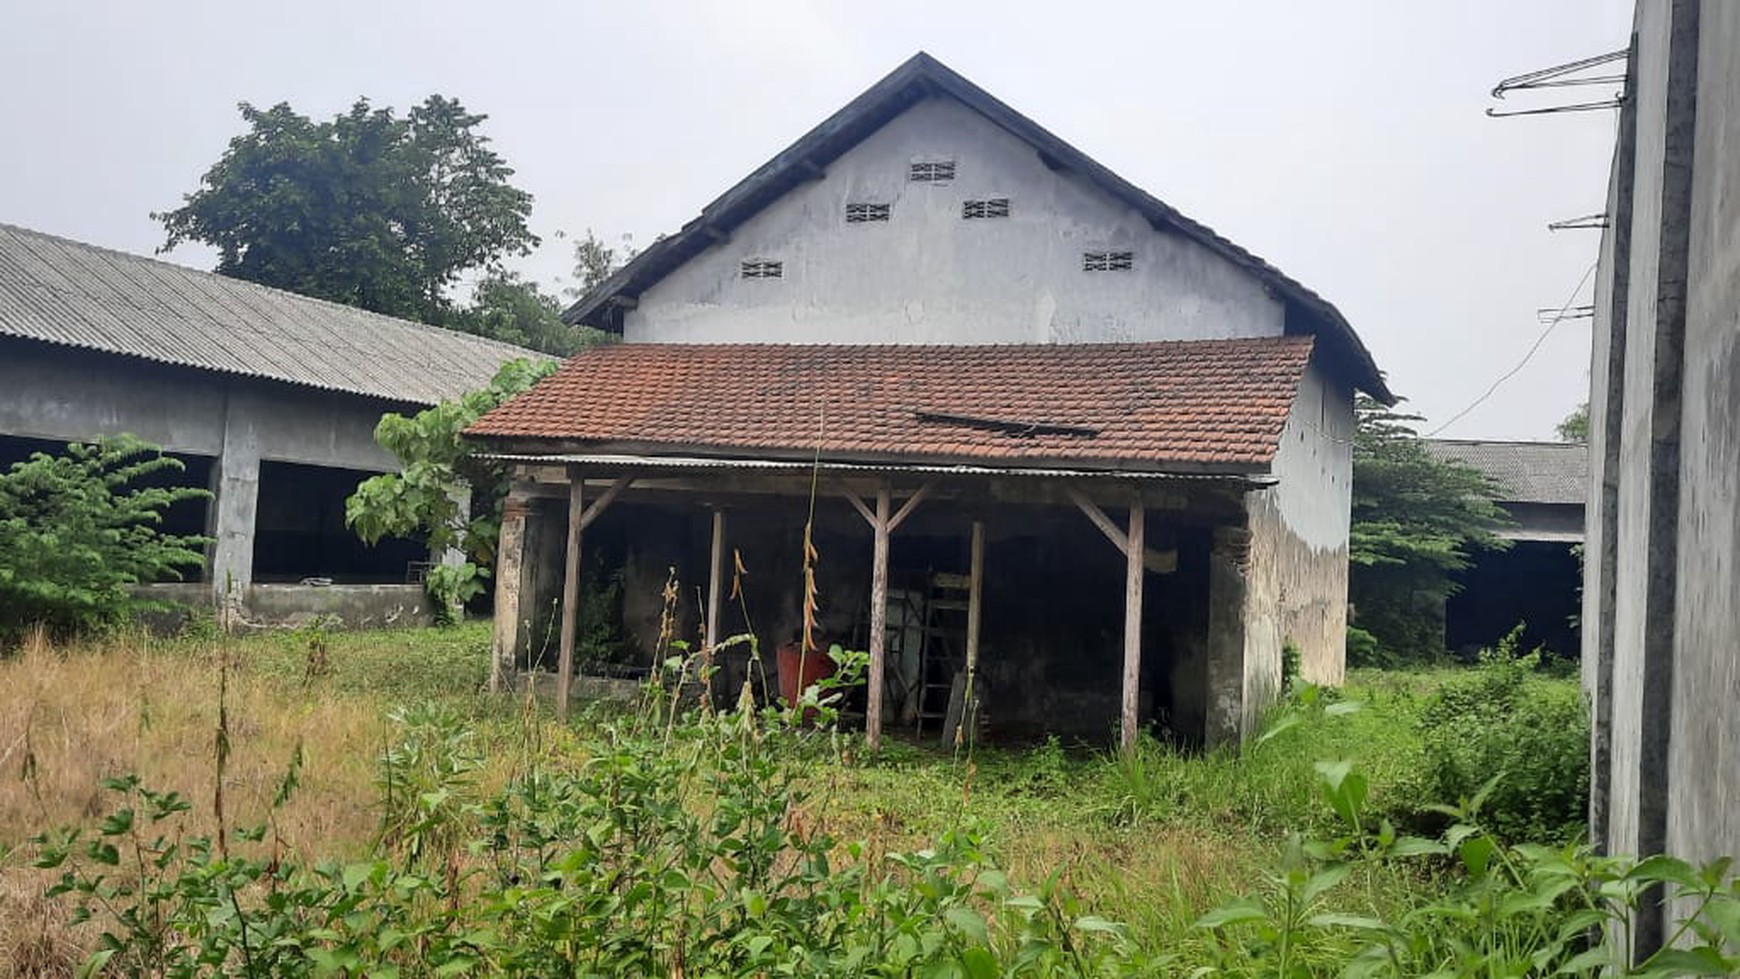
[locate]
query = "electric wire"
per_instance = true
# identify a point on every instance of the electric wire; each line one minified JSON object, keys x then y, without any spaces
{"x":1524,"y":362}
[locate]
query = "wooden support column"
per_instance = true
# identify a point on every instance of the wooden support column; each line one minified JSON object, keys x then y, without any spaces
{"x":1133,"y":570}
{"x":570,"y":592}
{"x":882,"y":520}
{"x":580,"y":516}
{"x":715,"y":582}
{"x":510,"y":551}
{"x":878,"y":617}
{"x":975,"y":616}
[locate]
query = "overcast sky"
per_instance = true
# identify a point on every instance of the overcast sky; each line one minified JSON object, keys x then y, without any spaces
{"x":1342,"y":140}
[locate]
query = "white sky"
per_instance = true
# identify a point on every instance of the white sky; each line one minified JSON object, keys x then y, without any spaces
{"x":1342,"y":140}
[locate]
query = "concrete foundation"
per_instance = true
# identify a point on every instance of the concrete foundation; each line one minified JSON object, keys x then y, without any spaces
{"x":298,"y":606}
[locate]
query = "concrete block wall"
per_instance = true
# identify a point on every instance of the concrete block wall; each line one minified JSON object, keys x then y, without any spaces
{"x":1662,"y":572}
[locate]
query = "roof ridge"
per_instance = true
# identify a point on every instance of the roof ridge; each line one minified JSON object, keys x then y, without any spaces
{"x":247,"y":284}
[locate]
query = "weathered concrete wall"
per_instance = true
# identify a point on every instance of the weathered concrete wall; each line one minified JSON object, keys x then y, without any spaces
{"x":57,"y":393}
{"x":296,"y":606}
{"x":1704,"y":740}
{"x":929,"y":276}
{"x":1606,"y":423}
{"x":1663,"y":678}
{"x":1281,"y":577}
{"x":51,"y":392}
{"x":1644,"y":518}
{"x":1305,"y":517}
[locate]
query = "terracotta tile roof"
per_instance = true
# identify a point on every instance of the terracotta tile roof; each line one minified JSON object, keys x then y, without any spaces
{"x":1207,"y":404}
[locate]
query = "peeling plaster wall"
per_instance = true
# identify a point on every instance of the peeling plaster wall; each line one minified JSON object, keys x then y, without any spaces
{"x":928,"y":276}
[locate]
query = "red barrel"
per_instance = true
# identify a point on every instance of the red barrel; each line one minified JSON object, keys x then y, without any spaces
{"x":799,"y":671}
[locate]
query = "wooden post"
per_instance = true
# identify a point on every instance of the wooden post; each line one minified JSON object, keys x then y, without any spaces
{"x":975,"y":615}
{"x":715,"y":581}
{"x":1133,"y":550}
{"x":878,"y":618}
{"x":570,"y":593}
{"x":509,"y":555}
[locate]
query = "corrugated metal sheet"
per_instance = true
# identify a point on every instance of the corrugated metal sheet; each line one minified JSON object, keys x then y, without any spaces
{"x":65,"y":292}
{"x":706,"y":463}
{"x":1526,"y":472}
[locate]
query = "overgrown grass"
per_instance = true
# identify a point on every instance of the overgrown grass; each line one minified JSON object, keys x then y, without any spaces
{"x":1153,"y":839}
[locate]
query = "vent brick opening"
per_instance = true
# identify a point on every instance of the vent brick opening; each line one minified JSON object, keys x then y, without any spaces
{"x":931,"y":171}
{"x":993,"y":207}
{"x":761,"y":268}
{"x":861,"y":213}
{"x":1108,"y":261}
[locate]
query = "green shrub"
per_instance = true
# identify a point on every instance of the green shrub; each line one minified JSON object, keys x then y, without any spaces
{"x":1502,"y":720}
{"x":76,"y":532}
{"x":1363,"y":649}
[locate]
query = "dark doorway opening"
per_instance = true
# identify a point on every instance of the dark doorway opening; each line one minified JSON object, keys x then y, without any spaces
{"x":1534,"y":582}
{"x":299,"y":531}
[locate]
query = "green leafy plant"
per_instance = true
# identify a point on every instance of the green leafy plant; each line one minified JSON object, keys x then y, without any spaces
{"x":80,"y":529}
{"x":1516,"y":911}
{"x":443,"y":492}
{"x":1501,"y":721}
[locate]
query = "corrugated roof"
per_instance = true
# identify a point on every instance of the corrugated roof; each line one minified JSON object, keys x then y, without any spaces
{"x":65,"y":292}
{"x":918,"y":78}
{"x":1525,"y":472}
{"x":1191,"y":406}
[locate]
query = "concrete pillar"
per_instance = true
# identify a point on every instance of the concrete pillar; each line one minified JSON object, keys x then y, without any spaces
{"x":236,"y":484}
{"x":453,"y":557}
{"x":509,"y":555}
{"x":1228,"y":590}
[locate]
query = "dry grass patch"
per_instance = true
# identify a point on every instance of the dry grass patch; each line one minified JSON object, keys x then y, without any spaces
{"x":75,"y":716}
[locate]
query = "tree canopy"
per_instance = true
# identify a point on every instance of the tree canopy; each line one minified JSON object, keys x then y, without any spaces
{"x":1575,"y":427}
{"x":369,"y":208}
{"x":1416,"y":520}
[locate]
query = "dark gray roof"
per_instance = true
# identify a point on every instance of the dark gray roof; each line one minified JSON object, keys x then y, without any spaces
{"x":1525,"y":472}
{"x":921,"y":77}
{"x":64,"y":292}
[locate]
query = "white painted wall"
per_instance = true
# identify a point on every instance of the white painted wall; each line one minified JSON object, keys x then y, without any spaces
{"x":929,"y":276}
{"x":1315,"y":462}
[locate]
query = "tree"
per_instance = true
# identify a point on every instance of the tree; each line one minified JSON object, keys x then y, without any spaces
{"x":507,"y":308}
{"x":1575,"y":427}
{"x":438,"y":469}
{"x":369,"y":209}
{"x":77,"y":532}
{"x":1416,"y":519}
{"x":594,"y":261}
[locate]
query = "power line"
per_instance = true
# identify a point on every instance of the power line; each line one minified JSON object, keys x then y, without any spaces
{"x":1561,"y":317}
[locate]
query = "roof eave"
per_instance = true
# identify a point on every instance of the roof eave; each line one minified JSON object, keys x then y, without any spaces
{"x":529,"y":446}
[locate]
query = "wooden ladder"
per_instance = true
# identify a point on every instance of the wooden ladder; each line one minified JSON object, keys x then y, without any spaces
{"x":944,"y":652}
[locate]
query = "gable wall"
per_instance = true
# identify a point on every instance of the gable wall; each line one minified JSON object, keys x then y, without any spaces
{"x":929,"y":276}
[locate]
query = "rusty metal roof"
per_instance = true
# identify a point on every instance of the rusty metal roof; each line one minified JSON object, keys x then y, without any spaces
{"x":59,"y":291}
